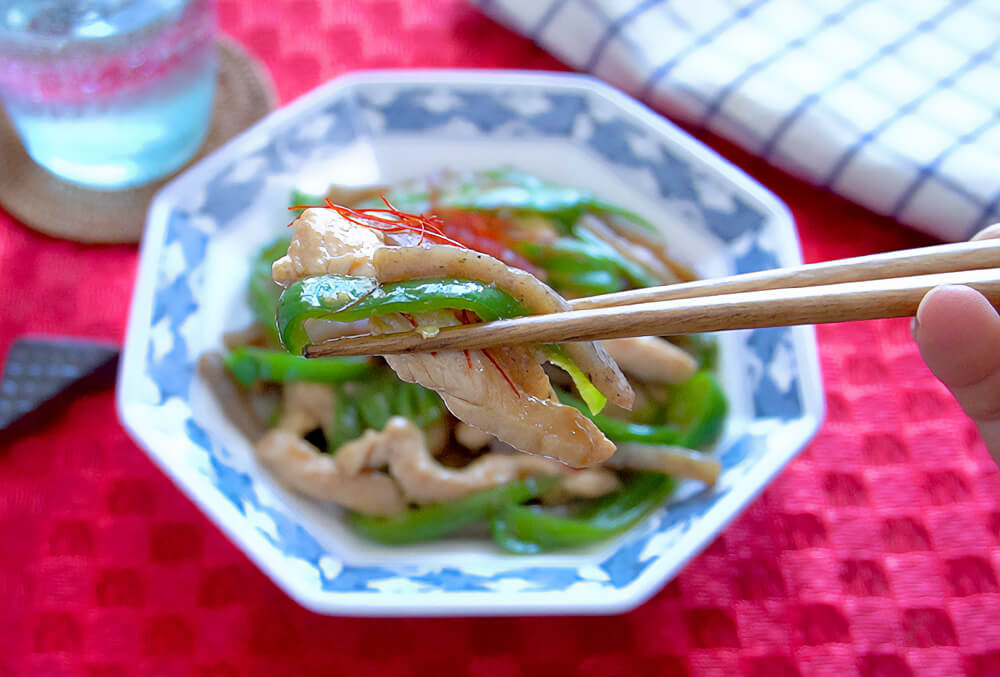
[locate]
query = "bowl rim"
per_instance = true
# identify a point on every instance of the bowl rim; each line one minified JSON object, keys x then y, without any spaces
{"x":487,"y":603}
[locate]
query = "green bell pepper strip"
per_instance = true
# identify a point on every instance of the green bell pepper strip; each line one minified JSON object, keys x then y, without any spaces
{"x":619,"y":430}
{"x":514,"y":190}
{"x":593,"y":398}
{"x":347,"y":423}
{"x":440,"y":519}
{"x":249,"y":364}
{"x":695,"y":415}
{"x":427,"y":405}
{"x":571,"y":255}
{"x":384,"y":395}
{"x":698,"y":407}
{"x":346,"y":298}
{"x":523,"y":530}
{"x":567,"y":255}
{"x":704,"y":348}
{"x":402,"y":403}
{"x":588,"y":283}
{"x":374,"y":405}
{"x":376,"y":399}
{"x":262,"y":291}
{"x":635,"y":273}
{"x":518,"y":191}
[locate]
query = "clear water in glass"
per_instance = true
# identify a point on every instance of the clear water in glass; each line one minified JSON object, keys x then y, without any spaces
{"x":109,"y":94}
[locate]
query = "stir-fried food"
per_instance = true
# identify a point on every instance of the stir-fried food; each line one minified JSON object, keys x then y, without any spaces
{"x":503,"y":392}
{"x":420,"y":445}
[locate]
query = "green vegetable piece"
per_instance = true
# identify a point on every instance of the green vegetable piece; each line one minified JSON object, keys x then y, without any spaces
{"x":633,"y":272}
{"x":507,"y":188}
{"x":383,"y":396}
{"x":525,"y":530}
{"x":592,"y":397}
{"x":429,"y":406}
{"x":248,"y":365}
{"x":569,"y":258}
{"x":262,"y":291}
{"x":435,"y":521}
{"x":698,"y":407}
{"x":373,"y":405}
{"x":402,"y":404}
{"x":653,"y":413}
{"x":347,"y":424}
{"x":619,"y":430}
{"x":704,"y":348}
{"x":413,"y":399}
{"x":512,"y":190}
{"x":589,"y":283}
{"x":345,"y":298}
{"x":568,"y":255}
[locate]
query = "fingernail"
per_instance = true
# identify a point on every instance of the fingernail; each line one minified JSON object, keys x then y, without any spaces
{"x":914,"y":325}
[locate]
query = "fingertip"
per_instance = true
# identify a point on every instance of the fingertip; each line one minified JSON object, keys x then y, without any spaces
{"x":958,"y":331}
{"x":988,"y":232}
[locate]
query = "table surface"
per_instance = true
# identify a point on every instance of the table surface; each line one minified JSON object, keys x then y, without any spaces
{"x":876,"y":552}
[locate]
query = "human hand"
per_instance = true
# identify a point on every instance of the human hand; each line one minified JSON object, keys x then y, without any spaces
{"x":958,"y":333}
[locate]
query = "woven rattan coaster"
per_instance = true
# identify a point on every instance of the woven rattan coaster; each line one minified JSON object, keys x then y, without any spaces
{"x":43,"y":202}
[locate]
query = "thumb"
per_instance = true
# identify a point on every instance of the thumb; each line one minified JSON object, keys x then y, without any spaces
{"x":958,"y":333}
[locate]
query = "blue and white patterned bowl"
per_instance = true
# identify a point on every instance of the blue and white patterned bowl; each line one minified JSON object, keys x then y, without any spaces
{"x":381,"y":127}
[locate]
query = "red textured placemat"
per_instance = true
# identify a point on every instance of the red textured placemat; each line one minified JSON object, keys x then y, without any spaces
{"x":875,"y":553}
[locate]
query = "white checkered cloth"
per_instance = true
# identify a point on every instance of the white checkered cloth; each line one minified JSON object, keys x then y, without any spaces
{"x":894,"y":104}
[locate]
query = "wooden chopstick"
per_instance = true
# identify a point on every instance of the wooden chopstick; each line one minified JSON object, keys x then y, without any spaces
{"x":810,"y":294}
{"x":847,"y":301}
{"x":943,"y":258}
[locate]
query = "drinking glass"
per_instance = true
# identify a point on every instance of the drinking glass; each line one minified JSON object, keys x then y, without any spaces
{"x":108,"y":94}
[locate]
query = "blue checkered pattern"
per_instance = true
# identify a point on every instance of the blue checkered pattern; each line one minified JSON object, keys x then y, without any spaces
{"x":894,"y":104}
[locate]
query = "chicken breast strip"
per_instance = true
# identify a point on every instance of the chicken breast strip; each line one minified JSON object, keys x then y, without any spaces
{"x":326,"y":243}
{"x":302,"y":467}
{"x":651,"y":358}
{"x":424,"y":480}
{"x":505,"y":393}
{"x":671,"y":460}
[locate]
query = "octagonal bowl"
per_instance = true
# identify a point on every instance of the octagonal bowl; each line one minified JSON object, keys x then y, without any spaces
{"x":380,"y":127}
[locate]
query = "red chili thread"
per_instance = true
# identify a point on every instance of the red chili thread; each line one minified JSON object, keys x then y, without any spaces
{"x":464,"y":316}
{"x":427,"y":225}
{"x":468,"y":230}
{"x":502,"y":373}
